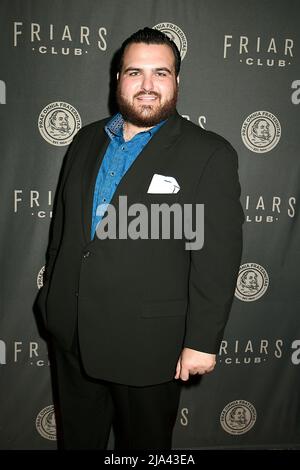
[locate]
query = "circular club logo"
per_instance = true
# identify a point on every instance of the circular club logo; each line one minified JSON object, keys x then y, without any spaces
{"x":261,"y":131}
{"x":175,"y":34}
{"x":45,"y":423}
{"x":252,"y":282}
{"x":40,"y":277}
{"x":59,"y":122}
{"x":238,"y":417}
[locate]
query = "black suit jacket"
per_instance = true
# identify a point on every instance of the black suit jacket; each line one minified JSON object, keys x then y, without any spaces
{"x":139,"y":302}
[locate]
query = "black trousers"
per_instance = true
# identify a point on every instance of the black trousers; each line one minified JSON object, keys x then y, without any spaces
{"x":142,"y":417}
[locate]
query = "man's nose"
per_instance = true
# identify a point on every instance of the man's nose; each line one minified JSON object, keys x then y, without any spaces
{"x":147,"y":83}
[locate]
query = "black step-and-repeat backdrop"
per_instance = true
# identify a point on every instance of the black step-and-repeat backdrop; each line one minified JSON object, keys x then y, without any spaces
{"x":241,"y":78}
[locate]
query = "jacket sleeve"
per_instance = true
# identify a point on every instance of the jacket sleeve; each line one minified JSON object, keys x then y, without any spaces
{"x":56,"y":227}
{"x":214,"y":268}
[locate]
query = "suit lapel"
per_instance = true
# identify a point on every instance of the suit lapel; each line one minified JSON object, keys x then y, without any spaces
{"x":95,"y":154}
{"x":151,"y":156}
{"x":137,"y":175}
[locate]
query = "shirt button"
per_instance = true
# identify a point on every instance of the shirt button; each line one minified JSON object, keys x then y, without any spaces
{"x":86,"y":254}
{"x":123,"y":148}
{"x":112,"y":173}
{"x":104,"y":199}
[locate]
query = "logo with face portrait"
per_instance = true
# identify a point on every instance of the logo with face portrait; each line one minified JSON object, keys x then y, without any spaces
{"x":261,"y":131}
{"x":58,"y":123}
{"x":40,"y":277}
{"x":175,"y":34}
{"x":238,"y":417}
{"x":45,"y":423}
{"x":252,"y":282}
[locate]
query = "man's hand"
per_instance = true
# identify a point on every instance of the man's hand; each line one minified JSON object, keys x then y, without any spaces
{"x":194,"y":362}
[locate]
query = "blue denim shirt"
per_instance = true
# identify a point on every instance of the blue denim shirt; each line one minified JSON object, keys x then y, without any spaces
{"x":117,"y":159}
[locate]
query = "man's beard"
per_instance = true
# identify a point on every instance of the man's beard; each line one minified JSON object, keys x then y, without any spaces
{"x":151,"y":115}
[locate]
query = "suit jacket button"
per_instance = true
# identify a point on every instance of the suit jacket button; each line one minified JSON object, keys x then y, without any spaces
{"x":86,"y":254}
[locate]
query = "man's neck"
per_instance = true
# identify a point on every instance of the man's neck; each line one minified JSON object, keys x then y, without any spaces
{"x":130,"y":130}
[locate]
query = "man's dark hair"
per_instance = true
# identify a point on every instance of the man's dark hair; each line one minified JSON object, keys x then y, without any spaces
{"x":150,"y":36}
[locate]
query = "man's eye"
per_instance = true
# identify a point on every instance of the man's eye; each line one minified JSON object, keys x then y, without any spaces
{"x":132,"y":74}
{"x":161,"y":74}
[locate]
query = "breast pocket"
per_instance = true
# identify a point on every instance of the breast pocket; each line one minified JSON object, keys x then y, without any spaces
{"x":168,"y":198}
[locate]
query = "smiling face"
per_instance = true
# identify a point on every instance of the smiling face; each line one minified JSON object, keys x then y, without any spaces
{"x":262,"y":129}
{"x":147,"y":84}
{"x":60,"y":120}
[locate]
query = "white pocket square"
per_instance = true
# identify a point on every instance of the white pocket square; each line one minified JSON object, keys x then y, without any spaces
{"x":161,"y":184}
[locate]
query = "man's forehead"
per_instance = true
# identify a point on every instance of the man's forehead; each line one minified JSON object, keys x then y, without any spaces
{"x":148,"y":52}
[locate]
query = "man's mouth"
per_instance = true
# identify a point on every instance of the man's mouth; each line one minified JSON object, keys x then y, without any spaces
{"x":146,"y":97}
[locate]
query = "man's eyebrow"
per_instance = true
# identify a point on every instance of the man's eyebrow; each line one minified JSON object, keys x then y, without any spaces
{"x":157,"y":69}
{"x":163,"y":69}
{"x":128,"y":69}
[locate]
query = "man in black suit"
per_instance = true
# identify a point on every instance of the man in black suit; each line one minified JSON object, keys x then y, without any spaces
{"x":130,"y":317}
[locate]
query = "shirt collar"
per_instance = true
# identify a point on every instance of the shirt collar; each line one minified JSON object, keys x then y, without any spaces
{"x":114,"y":127}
